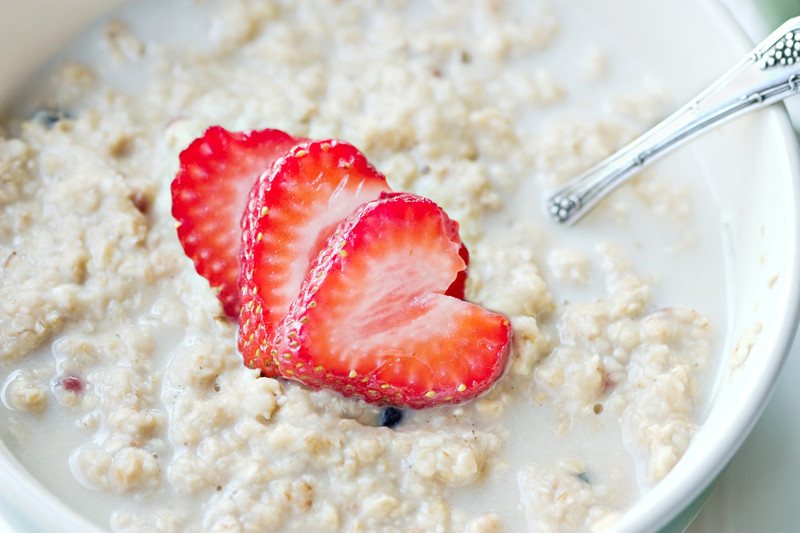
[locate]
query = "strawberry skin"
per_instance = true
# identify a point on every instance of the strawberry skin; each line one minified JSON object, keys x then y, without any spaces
{"x":372,"y":319}
{"x":289,"y":217}
{"x":459,"y":286}
{"x":209,"y":195}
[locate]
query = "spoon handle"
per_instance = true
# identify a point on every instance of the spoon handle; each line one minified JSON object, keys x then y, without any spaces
{"x":768,"y":74}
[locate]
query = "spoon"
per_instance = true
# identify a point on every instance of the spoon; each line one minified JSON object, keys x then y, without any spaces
{"x":768,"y":74}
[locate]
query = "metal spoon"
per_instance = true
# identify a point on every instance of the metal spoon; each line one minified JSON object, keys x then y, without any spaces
{"x":768,"y":74}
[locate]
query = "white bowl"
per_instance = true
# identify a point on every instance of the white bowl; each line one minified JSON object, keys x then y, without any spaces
{"x":755,"y":171}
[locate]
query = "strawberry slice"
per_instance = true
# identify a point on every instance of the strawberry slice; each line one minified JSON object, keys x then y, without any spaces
{"x":209,"y":195}
{"x":289,"y":217}
{"x":372,"y":319}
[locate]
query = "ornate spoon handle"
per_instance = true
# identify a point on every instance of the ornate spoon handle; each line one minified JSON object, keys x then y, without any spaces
{"x":768,"y":74}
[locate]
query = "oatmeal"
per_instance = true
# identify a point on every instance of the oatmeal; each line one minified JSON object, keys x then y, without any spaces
{"x":111,"y":339}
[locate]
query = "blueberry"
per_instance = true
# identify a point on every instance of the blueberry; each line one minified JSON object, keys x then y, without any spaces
{"x":50,"y":117}
{"x":390,"y":416}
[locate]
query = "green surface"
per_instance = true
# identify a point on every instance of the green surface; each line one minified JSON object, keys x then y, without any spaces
{"x":777,"y":11}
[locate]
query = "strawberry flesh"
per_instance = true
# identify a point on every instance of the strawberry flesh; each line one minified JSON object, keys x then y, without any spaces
{"x":372,"y":318}
{"x":209,"y":195}
{"x":289,"y":217}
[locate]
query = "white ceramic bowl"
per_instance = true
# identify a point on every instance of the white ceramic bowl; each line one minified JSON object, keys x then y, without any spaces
{"x":753,"y":164}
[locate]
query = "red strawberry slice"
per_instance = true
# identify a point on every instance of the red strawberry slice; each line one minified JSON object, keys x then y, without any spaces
{"x":289,"y":217}
{"x":459,"y":286}
{"x":209,"y":195}
{"x":372,"y":318}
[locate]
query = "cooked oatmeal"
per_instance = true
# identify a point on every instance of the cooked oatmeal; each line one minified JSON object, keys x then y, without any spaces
{"x":110,"y":337}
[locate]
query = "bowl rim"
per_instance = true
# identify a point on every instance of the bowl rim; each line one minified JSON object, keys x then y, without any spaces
{"x":24,"y":498}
